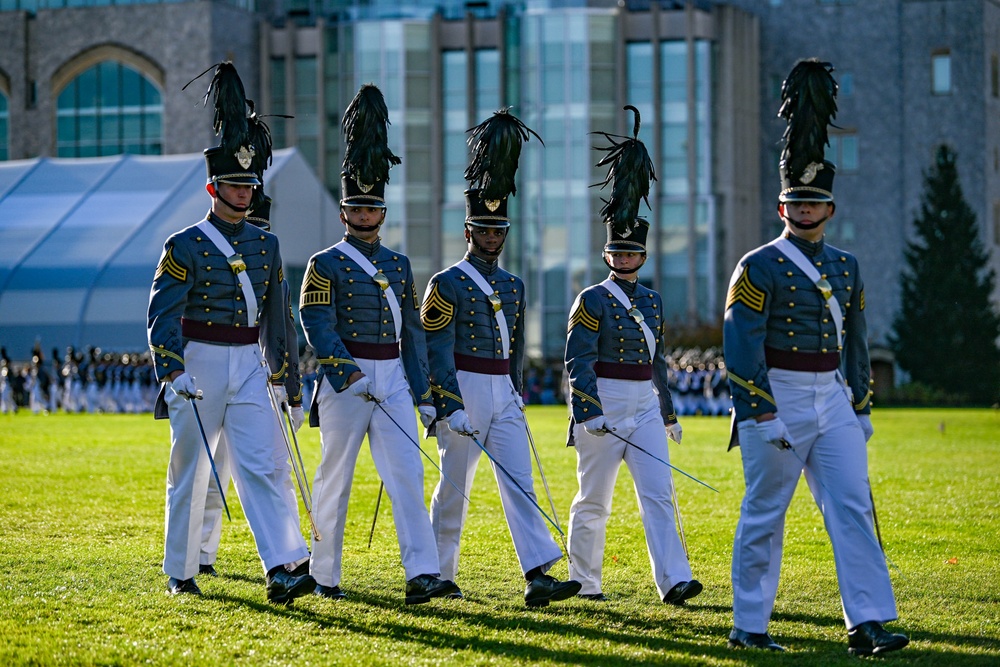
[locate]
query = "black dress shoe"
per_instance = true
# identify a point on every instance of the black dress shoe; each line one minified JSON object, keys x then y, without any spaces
{"x":683,"y":591}
{"x":330,"y":592}
{"x":455,"y":594}
{"x":761,"y":640}
{"x":182,"y":586}
{"x":421,"y":589}
{"x":544,"y":589}
{"x":208,"y":570}
{"x":870,"y":638}
{"x":593,"y":597}
{"x":283,"y":586}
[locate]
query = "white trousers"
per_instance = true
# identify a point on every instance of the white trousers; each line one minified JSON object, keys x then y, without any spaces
{"x":344,"y":420}
{"x":632,"y":409}
{"x":235,"y":402}
{"x":826,"y":435}
{"x":490,"y":403}
{"x":211,"y":532}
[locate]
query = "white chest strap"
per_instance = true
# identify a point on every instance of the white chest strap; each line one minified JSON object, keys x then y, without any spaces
{"x":380,"y":279}
{"x":494,"y":300}
{"x":789,"y":250}
{"x":634,"y":313}
{"x":237,"y":265}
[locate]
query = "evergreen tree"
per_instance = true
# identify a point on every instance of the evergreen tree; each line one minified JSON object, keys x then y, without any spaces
{"x":945,"y":334}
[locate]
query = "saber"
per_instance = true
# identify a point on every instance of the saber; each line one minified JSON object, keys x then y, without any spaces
{"x":378,"y":501}
{"x":298,"y":452}
{"x":511,"y":478}
{"x":410,"y":438}
{"x":878,"y":531}
{"x":840,"y":506}
{"x":208,"y":450}
{"x":677,"y":517}
{"x":545,"y":483}
{"x":650,"y":454}
{"x":299,"y":474}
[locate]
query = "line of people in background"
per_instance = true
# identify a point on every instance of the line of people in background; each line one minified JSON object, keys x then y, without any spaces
{"x":124,"y":382}
{"x":91,"y":381}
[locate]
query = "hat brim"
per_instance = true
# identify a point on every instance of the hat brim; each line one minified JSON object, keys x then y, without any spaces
{"x":805,"y":195}
{"x":236,"y":179}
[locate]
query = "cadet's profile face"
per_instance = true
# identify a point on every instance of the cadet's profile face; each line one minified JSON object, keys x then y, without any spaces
{"x":363,"y":221}
{"x":485,"y":242}
{"x":625,"y":262}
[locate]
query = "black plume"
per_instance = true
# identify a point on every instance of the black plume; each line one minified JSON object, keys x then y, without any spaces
{"x":367,"y":158}
{"x":496,"y":148}
{"x":230,"y":105}
{"x":808,"y":104}
{"x":629,"y":174}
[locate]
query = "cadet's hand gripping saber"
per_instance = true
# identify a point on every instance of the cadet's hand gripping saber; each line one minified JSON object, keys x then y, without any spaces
{"x":651,"y":455}
{"x":297,"y":468}
{"x":208,"y":450}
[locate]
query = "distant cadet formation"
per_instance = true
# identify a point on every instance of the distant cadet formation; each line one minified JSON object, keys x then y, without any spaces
{"x":796,"y":366}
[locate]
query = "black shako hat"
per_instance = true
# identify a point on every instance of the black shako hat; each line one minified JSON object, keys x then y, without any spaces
{"x":234,"y":159}
{"x":808,"y":105}
{"x":496,"y":149}
{"x":630,"y":171}
{"x":367,"y":159}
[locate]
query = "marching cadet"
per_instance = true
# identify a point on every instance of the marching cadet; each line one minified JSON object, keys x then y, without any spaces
{"x":287,"y":387}
{"x":472,"y":313}
{"x":360,"y":313}
{"x":795,"y":344}
{"x":618,"y":381}
{"x":216,"y":300}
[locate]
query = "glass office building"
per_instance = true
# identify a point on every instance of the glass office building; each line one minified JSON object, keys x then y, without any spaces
{"x":567,"y":71}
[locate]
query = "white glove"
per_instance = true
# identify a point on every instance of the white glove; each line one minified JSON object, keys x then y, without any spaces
{"x":774,"y":432}
{"x":519,"y":402}
{"x":674,"y":432}
{"x":596,"y":426}
{"x":280,"y":393}
{"x":362,"y":388}
{"x":866,"y":426}
{"x":298,"y":417}
{"x":427,"y":414}
{"x":183,"y":385}
{"x":458,"y":421}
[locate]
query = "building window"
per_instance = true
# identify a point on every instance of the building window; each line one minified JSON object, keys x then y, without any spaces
{"x":306,"y":105}
{"x":941,"y":73}
{"x":279,"y":104}
{"x":4,"y":128}
{"x":843,"y":151}
{"x":109,"y":109}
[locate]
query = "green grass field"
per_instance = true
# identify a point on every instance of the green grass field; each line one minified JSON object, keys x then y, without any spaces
{"x":81,"y":529}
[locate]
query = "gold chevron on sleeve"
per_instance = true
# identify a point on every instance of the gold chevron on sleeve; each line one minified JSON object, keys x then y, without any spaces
{"x":754,"y":391}
{"x":581,"y":316}
{"x":315,"y":288}
{"x":281,"y":274}
{"x":861,"y":300}
{"x":745,"y":292}
{"x":170,"y":266}
{"x":436,"y":313}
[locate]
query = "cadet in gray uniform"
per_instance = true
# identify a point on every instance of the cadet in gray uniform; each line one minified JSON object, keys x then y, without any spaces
{"x":618,"y":382}
{"x":287,"y":386}
{"x":795,"y":344}
{"x":216,"y":299}
{"x":472,"y":313}
{"x":360,"y":313}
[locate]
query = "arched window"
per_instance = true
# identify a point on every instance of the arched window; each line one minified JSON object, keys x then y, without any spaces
{"x":109,"y":109}
{"x":4,"y":127}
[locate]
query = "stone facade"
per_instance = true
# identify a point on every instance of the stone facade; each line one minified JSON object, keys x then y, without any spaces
{"x":169,"y":43}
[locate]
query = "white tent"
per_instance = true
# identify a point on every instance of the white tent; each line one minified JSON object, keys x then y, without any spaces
{"x":80,"y":240}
